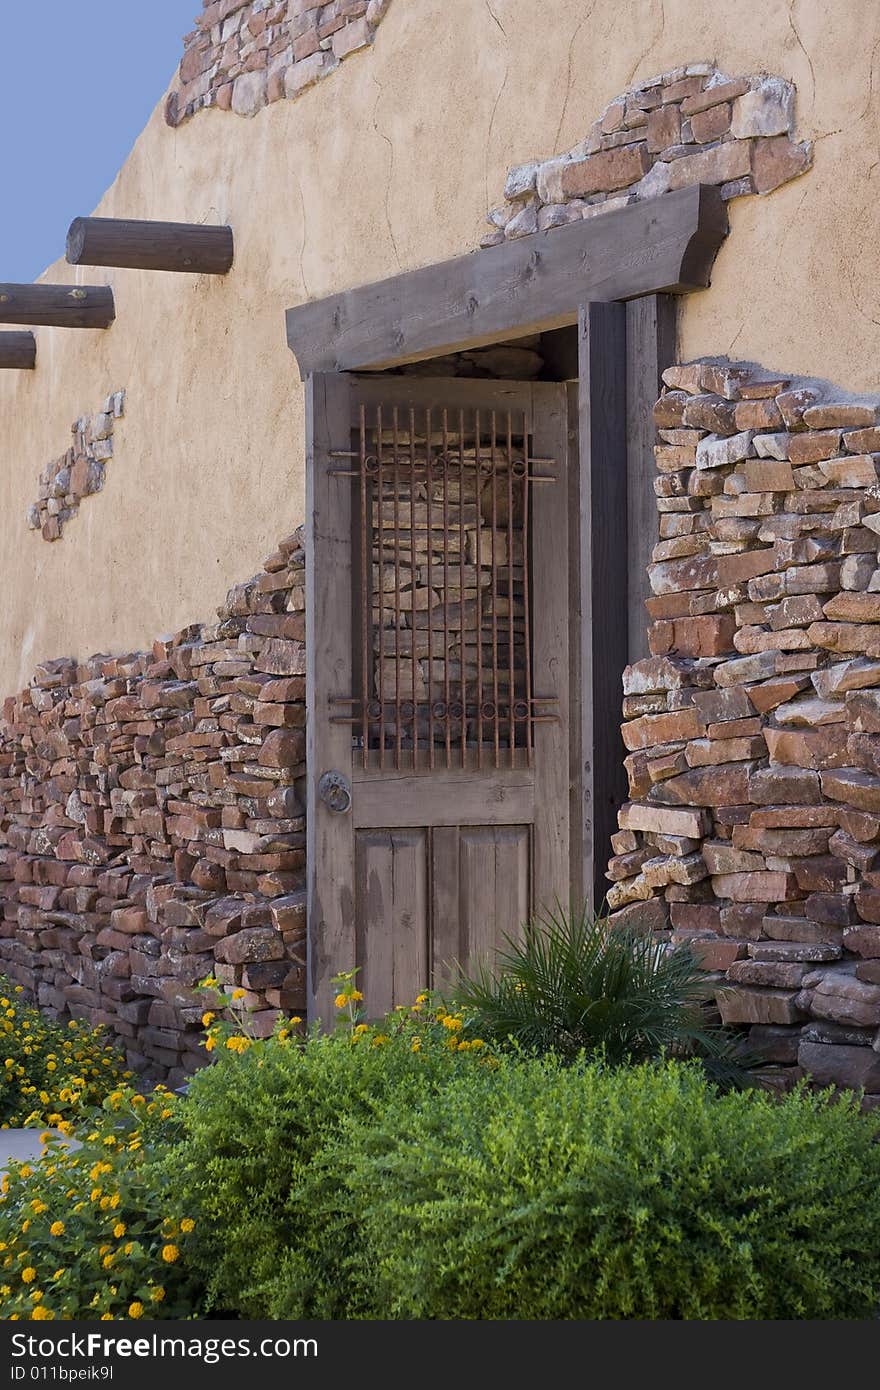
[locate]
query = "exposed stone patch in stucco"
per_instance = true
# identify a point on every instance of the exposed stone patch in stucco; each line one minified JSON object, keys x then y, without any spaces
{"x":79,"y":472}
{"x":693,"y":124}
{"x":244,"y":54}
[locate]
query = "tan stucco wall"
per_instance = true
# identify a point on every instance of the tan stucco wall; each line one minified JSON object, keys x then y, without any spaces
{"x":388,"y":164}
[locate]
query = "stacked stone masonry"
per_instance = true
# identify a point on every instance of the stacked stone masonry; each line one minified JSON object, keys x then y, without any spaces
{"x":690,"y":125}
{"x":79,"y":472}
{"x":152,"y":827}
{"x":246,"y":53}
{"x":753,"y":731}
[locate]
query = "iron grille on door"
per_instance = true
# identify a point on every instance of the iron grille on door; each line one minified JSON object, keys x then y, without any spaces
{"x":442,"y":623}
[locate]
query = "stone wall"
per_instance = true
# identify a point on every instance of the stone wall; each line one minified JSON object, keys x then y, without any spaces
{"x":79,"y":472}
{"x":152,"y":827}
{"x":246,"y":53}
{"x":693,"y":124}
{"x":753,"y":731}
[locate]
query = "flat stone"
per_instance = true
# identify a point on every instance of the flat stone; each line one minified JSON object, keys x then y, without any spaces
{"x":769,"y":887}
{"x":800,"y":929}
{"x":249,"y":93}
{"x":857,"y":789}
{"x":768,"y":109}
{"x":857,"y":1068}
{"x":824,"y":747}
{"x":771,"y":974}
{"x":776,"y":160}
{"x":716,"y":451}
{"x":740,"y":1004}
{"x":863,"y":941}
{"x":801,"y":951}
{"x":598,"y":173}
{"x":665,"y":820}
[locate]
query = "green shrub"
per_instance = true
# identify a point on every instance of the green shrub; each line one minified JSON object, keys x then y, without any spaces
{"x":574,"y":985}
{"x":90,"y":1233}
{"x":265,"y":1154}
{"x":550,"y":1191}
{"x":50,"y":1071}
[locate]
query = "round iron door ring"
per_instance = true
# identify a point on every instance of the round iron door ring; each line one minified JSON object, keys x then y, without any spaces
{"x":334,"y":789}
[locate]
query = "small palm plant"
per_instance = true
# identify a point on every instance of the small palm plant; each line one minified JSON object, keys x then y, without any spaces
{"x":576,"y":985}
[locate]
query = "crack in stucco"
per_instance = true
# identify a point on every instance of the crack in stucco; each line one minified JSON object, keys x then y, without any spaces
{"x":793,"y":27}
{"x":569,"y":78}
{"x":495,"y":106}
{"x":655,"y":38}
{"x":304,"y":238}
{"x":388,"y":183}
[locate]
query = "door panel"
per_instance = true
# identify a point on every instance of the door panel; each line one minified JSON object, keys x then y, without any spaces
{"x":439,"y":695}
{"x":391,"y":878}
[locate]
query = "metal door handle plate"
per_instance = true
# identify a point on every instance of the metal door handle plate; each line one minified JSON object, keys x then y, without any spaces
{"x":334,"y":789}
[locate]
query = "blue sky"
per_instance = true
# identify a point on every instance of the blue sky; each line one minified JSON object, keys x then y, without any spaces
{"x":80,"y":78}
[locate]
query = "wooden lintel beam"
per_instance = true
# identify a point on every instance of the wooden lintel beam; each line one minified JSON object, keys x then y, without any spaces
{"x":58,"y":306}
{"x":18,"y":351}
{"x":530,"y":285}
{"x":187,"y":247}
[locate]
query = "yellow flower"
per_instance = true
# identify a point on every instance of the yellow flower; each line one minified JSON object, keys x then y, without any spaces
{"x":208,"y":1019}
{"x":135,"y":1310}
{"x":451,"y":1022}
{"x":28,"y":1275}
{"x":361,"y":1028}
{"x":238,"y":1044}
{"x":107,"y":1262}
{"x":41,"y":1314}
{"x":187,"y":1225}
{"x":421,"y":998}
{"x":157,"y":1294}
{"x":296,"y":1019}
{"x":355,"y":995}
{"x":238,"y":994}
{"x":210,"y":1044}
{"x":340,"y":1001}
{"x":114,"y":1201}
{"x":57,"y":1228}
{"x":476,"y":1044}
{"x":37,"y":1206}
{"x":106,"y":1317}
{"x":416,"y":1045}
{"x":119,"y":1230}
{"x":169,"y":1254}
{"x":380,"y":1039}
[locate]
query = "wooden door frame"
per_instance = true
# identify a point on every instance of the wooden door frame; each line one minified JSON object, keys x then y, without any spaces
{"x":616,"y":277}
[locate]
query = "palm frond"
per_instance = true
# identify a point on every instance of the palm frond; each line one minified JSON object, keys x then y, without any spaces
{"x":576,"y":985}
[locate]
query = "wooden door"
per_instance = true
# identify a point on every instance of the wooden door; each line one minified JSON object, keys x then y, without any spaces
{"x":437,"y":631}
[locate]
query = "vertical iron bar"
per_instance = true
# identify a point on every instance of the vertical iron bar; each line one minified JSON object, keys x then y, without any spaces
{"x":461,"y":544}
{"x":412,"y":585}
{"x":430,"y":487}
{"x":446,"y":584}
{"x":380,"y":548}
{"x":527,"y":647}
{"x":510,"y":626}
{"x":478,"y":574}
{"x":394,"y":446}
{"x":494,"y":563}
{"x":366,"y":588}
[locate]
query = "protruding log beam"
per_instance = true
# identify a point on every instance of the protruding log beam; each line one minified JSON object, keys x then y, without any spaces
{"x":18,"y":350}
{"x":181,"y":246}
{"x":58,"y":306}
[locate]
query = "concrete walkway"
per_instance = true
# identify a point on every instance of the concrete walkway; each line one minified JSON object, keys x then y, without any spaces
{"x":24,"y":1145}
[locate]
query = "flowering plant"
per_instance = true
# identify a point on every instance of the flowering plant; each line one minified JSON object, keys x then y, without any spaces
{"x":51,"y":1072}
{"x":87,"y":1232}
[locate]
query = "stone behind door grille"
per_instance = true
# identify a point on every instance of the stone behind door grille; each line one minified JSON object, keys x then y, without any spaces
{"x":443,"y":621}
